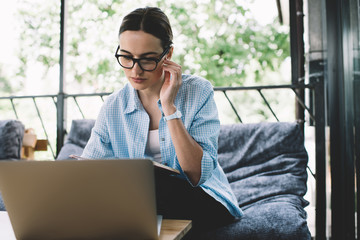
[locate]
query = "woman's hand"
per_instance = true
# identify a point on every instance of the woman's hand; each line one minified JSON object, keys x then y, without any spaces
{"x":170,"y":88}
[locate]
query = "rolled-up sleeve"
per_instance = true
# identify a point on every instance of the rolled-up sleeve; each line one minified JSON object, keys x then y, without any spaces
{"x":205,"y":130}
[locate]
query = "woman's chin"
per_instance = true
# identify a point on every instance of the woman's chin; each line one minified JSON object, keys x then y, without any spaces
{"x":138,"y":86}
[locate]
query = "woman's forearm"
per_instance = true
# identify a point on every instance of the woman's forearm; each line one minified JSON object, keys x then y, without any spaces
{"x":188,"y":151}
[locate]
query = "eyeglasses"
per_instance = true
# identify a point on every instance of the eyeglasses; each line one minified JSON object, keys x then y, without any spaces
{"x":146,"y":64}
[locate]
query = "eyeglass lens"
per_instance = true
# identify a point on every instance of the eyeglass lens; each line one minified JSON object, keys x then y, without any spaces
{"x":146,"y":64}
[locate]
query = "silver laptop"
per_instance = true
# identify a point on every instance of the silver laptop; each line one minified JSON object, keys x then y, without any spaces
{"x":89,"y":199}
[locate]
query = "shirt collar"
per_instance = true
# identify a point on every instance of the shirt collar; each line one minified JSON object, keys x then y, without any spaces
{"x":134,"y":102}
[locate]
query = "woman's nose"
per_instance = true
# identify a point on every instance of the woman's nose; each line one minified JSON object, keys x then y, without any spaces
{"x":136,"y":68}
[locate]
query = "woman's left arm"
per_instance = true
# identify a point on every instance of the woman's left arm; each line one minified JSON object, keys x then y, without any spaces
{"x":188,"y":151}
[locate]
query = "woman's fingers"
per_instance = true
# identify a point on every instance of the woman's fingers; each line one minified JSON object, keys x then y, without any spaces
{"x":174,"y":69}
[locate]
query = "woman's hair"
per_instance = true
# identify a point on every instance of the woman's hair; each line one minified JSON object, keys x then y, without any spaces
{"x":150,"y":20}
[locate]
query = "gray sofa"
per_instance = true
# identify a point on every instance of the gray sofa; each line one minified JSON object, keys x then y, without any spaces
{"x":265,"y":164}
{"x":11,"y":137}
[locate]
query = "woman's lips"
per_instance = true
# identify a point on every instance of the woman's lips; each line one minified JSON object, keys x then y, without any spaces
{"x":138,"y":80}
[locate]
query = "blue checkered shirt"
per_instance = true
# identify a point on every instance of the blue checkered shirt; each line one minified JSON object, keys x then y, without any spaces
{"x":122,"y":128}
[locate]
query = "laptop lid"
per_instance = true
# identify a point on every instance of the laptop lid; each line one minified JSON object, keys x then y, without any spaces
{"x":89,"y":199}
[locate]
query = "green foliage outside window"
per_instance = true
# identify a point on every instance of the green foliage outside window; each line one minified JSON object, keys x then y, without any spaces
{"x":218,"y":40}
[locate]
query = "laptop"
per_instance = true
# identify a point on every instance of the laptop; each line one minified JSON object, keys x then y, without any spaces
{"x":88,"y":199}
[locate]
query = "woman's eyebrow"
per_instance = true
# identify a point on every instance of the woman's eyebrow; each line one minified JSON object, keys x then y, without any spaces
{"x":142,"y":55}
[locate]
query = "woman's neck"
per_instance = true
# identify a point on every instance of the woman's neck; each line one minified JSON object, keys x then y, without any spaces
{"x":148,"y":94}
{"x":149,"y":100}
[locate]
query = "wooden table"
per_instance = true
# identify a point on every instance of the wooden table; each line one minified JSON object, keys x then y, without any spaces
{"x":171,"y":229}
{"x":174,"y":229}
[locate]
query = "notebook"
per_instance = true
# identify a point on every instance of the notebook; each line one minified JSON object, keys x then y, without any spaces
{"x":159,"y":167}
{"x":89,"y":199}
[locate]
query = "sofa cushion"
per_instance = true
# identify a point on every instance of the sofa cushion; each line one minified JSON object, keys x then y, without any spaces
{"x":263,"y":160}
{"x":78,"y":137}
{"x":80,"y":131}
{"x":11,"y":137}
{"x":278,"y":217}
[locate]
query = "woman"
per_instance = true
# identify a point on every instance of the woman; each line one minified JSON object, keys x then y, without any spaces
{"x":167,"y":116}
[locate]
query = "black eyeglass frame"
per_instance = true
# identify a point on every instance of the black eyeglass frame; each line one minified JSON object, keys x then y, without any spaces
{"x":137,"y":60}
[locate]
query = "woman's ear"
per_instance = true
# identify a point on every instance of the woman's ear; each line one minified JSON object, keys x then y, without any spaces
{"x":169,"y":54}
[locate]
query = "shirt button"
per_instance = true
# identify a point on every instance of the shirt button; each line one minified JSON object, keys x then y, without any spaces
{"x":162,"y":139}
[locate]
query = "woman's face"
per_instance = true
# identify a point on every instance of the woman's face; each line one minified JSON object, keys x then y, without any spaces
{"x":138,"y":44}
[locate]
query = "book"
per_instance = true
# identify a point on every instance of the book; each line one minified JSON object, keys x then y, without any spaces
{"x":157,"y":166}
